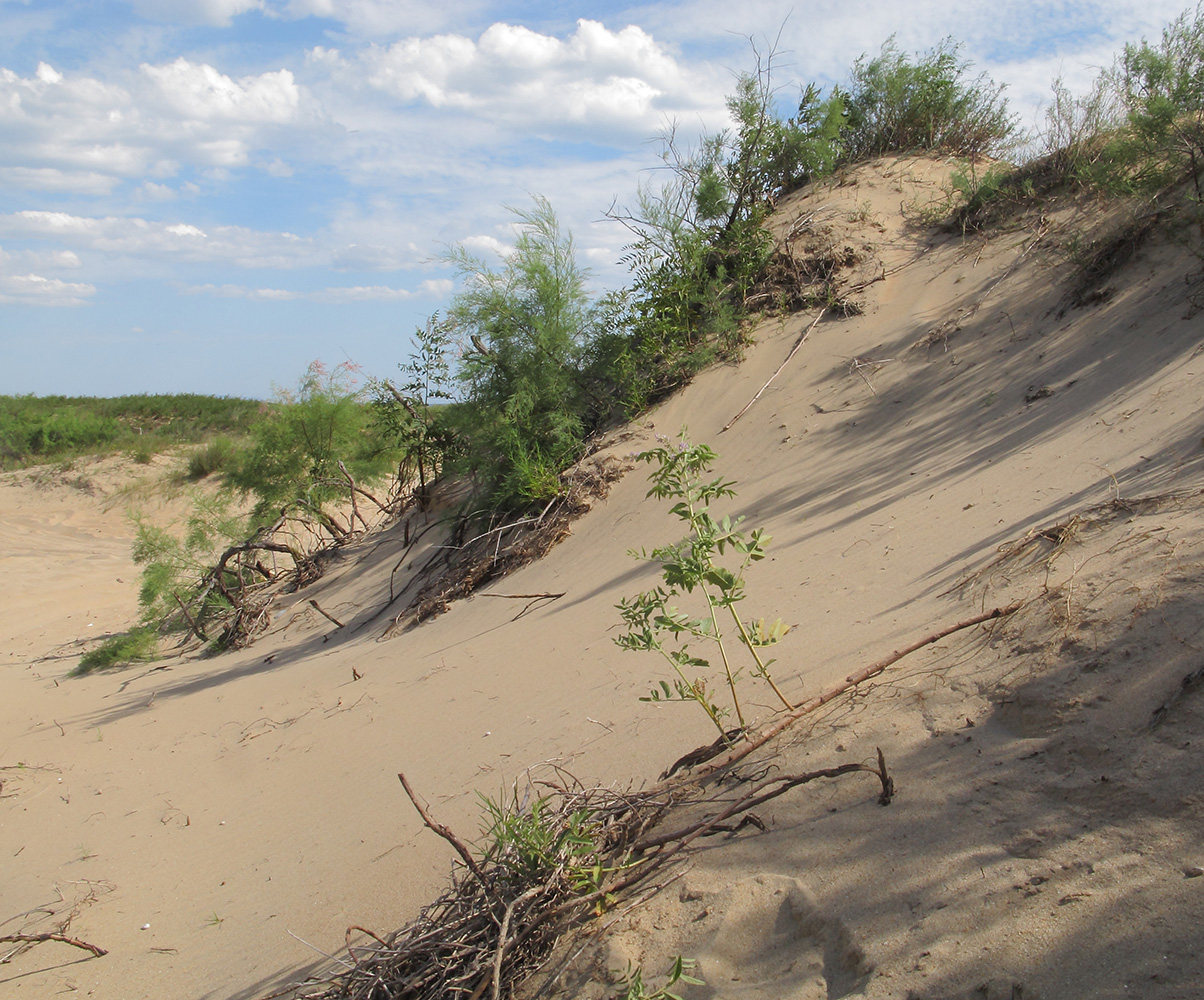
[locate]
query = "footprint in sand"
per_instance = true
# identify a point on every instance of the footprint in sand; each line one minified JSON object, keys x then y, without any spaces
{"x":772,"y":940}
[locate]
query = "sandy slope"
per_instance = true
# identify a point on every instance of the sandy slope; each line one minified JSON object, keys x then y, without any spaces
{"x":241,"y":804}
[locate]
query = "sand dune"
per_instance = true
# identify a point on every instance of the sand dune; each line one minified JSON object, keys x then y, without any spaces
{"x":216,"y":823}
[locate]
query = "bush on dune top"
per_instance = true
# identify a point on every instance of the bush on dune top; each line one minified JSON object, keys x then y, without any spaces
{"x":896,"y":103}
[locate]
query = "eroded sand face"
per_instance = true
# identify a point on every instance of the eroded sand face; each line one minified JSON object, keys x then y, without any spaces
{"x":243,"y":805}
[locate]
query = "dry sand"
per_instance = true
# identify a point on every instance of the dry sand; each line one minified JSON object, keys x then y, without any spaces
{"x":206,"y":820}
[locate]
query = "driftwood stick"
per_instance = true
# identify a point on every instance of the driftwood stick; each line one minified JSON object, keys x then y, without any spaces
{"x":852,"y":681}
{"x":450,"y":837}
{"x":522,"y":597}
{"x":364,"y":493}
{"x":531,"y":599}
{"x":39,"y":938}
{"x":781,"y":367}
{"x":329,"y":617}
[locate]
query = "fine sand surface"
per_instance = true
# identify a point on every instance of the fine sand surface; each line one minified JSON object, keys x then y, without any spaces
{"x":215,"y":823}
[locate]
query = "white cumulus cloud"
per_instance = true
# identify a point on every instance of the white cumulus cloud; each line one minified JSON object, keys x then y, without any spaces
{"x":71,"y":131}
{"x":622,"y":81}
{"x":198,"y":91}
{"x":36,"y":290}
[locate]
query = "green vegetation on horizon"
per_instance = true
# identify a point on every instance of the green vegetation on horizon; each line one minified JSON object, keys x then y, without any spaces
{"x":38,"y":429}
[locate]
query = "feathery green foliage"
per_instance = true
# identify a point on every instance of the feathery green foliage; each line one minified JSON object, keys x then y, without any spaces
{"x":175,"y":568}
{"x":1162,"y":91}
{"x":529,"y":324}
{"x":139,"y":643}
{"x":409,"y":417}
{"x":292,"y":461}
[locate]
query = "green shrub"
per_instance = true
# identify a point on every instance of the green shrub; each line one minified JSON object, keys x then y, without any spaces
{"x":139,"y":643}
{"x":292,"y":461}
{"x":1076,"y":136}
{"x":700,"y":246}
{"x":175,"y":567}
{"x":410,"y":418}
{"x":1162,"y":90}
{"x":895,"y":104}
{"x":529,"y":324}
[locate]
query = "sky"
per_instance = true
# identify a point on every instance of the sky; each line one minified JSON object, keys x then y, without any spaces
{"x":207,"y":195}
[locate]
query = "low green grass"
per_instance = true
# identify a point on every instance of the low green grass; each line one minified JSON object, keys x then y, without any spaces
{"x":140,"y":643}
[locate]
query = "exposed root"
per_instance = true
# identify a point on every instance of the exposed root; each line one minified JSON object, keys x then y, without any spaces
{"x":478,"y":554}
{"x":1045,"y":543}
{"x":804,"y":271}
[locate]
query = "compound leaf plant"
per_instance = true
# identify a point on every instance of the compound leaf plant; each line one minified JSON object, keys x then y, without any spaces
{"x":708,"y":566}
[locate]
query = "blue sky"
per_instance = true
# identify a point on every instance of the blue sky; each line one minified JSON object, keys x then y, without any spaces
{"x":206,"y":195}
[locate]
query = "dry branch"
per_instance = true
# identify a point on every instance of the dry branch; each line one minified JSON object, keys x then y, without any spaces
{"x":446,"y":834}
{"x":763,"y":793}
{"x":39,"y":938}
{"x":787,"y":720}
{"x":192,"y":622}
{"x":325,"y":614}
{"x":793,"y":351}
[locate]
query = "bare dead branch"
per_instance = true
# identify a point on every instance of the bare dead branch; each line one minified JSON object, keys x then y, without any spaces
{"x":793,"y":351}
{"x":329,"y":617}
{"x":39,"y":938}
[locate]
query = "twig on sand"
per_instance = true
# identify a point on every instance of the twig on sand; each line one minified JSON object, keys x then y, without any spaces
{"x":39,"y":938}
{"x":1187,"y":682}
{"x":324,"y":614}
{"x":787,"y":720}
{"x":793,"y":351}
{"x":447,"y":835}
{"x":531,"y":599}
